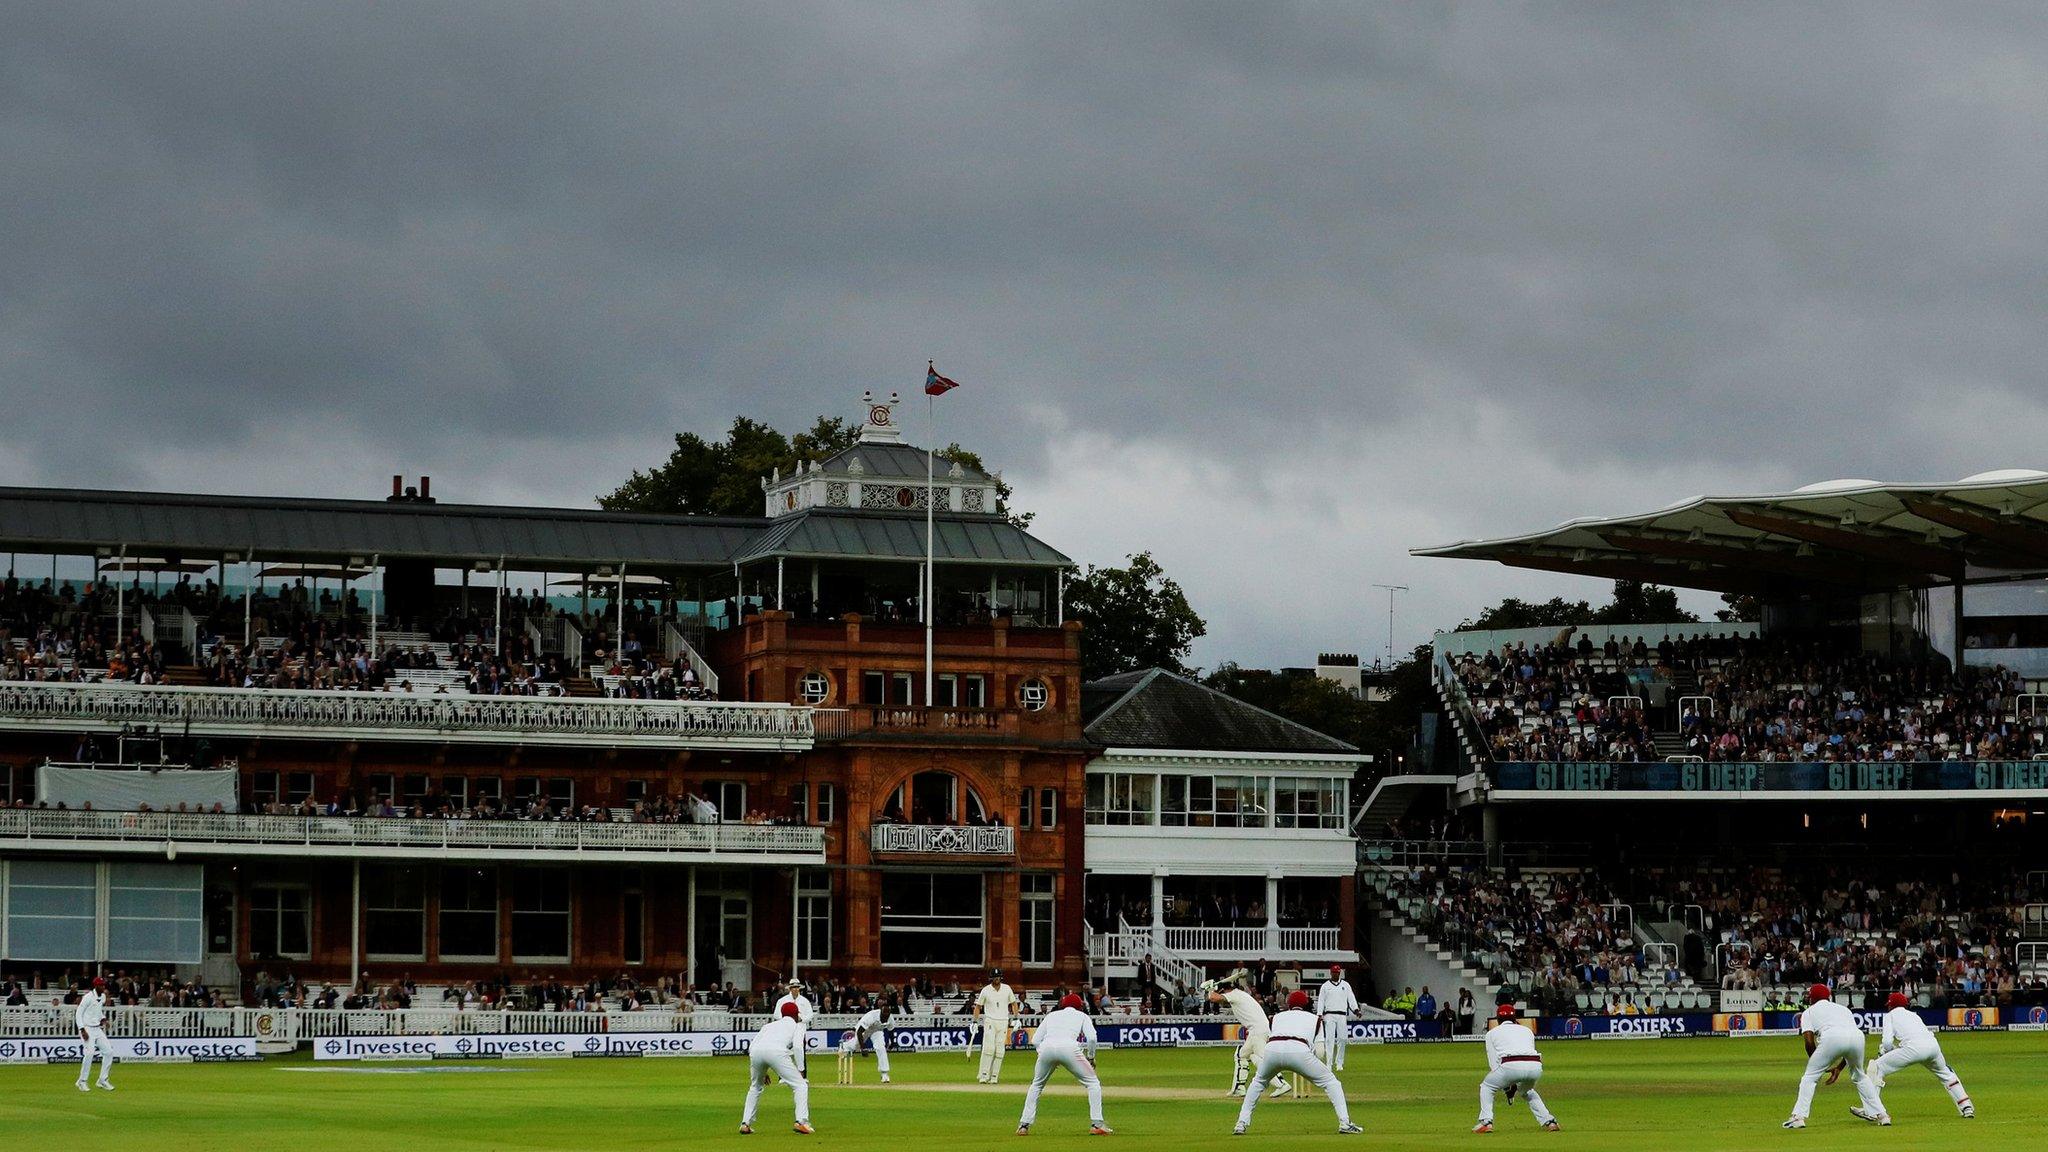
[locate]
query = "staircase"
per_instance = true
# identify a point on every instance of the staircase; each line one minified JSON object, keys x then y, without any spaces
{"x":1405,"y":957}
{"x":1119,"y":953}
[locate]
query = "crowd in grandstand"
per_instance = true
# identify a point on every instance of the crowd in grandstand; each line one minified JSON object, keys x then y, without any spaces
{"x":1951,"y":937}
{"x":124,"y":988}
{"x":1739,"y":699}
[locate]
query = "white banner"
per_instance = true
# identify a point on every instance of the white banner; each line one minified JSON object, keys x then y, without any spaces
{"x":500,"y":1046}
{"x":57,"y":1050}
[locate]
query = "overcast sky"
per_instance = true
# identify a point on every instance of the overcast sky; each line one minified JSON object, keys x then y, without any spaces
{"x":1276,"y":292}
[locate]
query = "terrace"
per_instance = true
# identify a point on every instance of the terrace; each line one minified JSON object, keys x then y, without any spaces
{"x":105,"y":707}
{"x":219,"y":834}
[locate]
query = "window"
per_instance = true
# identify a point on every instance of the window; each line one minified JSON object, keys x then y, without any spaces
{"x":263,"y":788}
{"x":636,"y":792}
{"x":1026,"y":808}
{"x":8,"y":785}
{"x":484,"y":788}
{"x":731,"y":797}
{"x":874,"y":688}
{"x":633,"y":919}
{"x":540,"y":914}
{"x":960,"y":690}
{"x":1303,"y":802}
{"x":1034,"y":915}
{"x":814,"y":917}
{"x":814,"y":687}
{"x":974,"y":691}
{"x":1212,"y":802}
{"x":298,"y":787}
{"x":800,"y":803}
{"x":156,"y":913}
{"x":52,"y":907}
{"x":394,"y":914}
{"x":1033,"y":695}
{"x":1121,"y":798}
{"x":414,"y":790}
{"x":558,"y":791}
{"x":828,"y":807}
{"x":280,"y":923}
{"x":457,"y":790}
{"x":469,"y":914}
{"x":1048,"y":808}
{"x":946,"y":691}
{"x":933,"y":918}
{"x":383,"y":786}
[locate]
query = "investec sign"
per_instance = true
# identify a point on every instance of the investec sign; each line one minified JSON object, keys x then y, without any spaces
{"x":62,"y":1050}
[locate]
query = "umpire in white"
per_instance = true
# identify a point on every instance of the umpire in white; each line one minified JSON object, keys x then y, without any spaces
{"x":1335,"y":1005}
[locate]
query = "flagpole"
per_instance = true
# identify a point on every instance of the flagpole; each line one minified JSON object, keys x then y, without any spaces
{"x":931,"y":408}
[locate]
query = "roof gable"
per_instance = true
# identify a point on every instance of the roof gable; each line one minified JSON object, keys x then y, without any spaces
{"x":1155,"y":708}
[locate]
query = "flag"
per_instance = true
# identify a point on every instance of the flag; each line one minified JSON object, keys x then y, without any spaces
{"x":935,"y":384}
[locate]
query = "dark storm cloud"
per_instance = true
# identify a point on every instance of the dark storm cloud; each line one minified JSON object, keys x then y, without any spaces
{"x":1418,"y":257}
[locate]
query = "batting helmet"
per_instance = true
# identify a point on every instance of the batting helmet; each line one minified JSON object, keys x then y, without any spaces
{"x":1072,"y":1001}
{"x":1297,"y":999}
{"x":1505,"y":1012}
{"x":1817,"y":993}
{"x":1895,"y":1000}
{"x":99,"y":981}
{"x":790,"y":1011}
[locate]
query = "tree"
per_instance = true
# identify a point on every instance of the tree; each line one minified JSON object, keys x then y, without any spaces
{"x":1740,"y":606}
{"x":1634,"y":602}
{"x":961,"y":456}
{"x":1135,"y":617}
{"x":1308,"y":700}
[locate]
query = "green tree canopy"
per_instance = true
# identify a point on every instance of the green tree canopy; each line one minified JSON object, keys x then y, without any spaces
{"x":1135,"y":617}
{"x":723,"y":477}
{"x":1634,"y":602}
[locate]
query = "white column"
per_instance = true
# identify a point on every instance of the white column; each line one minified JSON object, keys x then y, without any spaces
{"x":619,"y":640}
{"x":690,"y":926}
{"x":1060,"y":597}
{"x":120,"y":598}
{"x":1158,"y":910}
{"x":376,"y":603}
{"x":814,"y":589}
{"x":796,"y":904}
{"x":355,"y":930}
{"x":498,"y":612}
{"x":248,"y":576}
{"x":1273,"y":913}
{"x":778,"y":584}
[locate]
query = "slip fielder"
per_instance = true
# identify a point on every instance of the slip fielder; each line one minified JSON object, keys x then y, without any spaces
{"x":1335,"y":1002}
{"x":774,"y":1051}
{"x":1291,"y":1048}
{"x":1834,"y":1041}
{"x":1907,"y":1041}
{"x":870,"y":1030}
{"x":1066,"y":1039}
{"x":90,"y":1017}
{"x":993,"y":1009}
{"x":1512,"y":1064}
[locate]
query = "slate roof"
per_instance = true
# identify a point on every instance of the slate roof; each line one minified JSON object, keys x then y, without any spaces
{"x":835,"y":534}
{"x":896,"y":462}
{"x":1157,"y":709}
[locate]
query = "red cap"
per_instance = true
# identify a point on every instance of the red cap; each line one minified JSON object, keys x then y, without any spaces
{"x":99,"y":981}
{"x":1817,"y":993}
{"x":790,"y":1010}
{"x":1895,"y":1000}
{"x":1072,"y":1001}
{"x":1297,"y":999}
{"x":1505,"y":1012}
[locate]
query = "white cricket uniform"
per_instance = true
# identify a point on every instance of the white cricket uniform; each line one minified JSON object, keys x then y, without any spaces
{"x":1291,"y":1048}
{"x":1512,"y":1060}
{"x":1335,"y":1002}
{"x":996,"y":1005}
{"x":1066,"y":1039}
{"x":1251,"y":1020}
{"x":774,"y":1051}
{"x":804,"y":1011}
{"x":1907,"y":1041}
{"x":869,"y":1029}
{"x":1836,"y":1037}
{"x":91,"y":1018}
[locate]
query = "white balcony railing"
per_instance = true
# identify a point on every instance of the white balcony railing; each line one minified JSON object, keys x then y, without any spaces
{"x":961,"y":840}
{"x":1250,"y":942}
{"x":23,"y":829}
{"x":403,"y":716}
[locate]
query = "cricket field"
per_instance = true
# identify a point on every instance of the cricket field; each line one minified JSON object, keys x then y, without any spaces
{"x":1633,"y":1095}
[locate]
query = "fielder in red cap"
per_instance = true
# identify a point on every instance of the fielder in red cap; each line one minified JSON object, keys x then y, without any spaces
{"x":1834,"y":1043}
{"x":90,"y":1018}
{"x":1512,"y":1065}
{"x":1065,"y":1039}
{"x":1336,"y":1004}
{"x":1907,"y":1041}
{"x":1291,"y":1047}
{"x":773,"y":1054}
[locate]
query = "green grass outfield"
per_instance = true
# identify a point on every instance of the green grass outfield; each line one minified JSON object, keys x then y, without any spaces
{"x":1638,"y":1095}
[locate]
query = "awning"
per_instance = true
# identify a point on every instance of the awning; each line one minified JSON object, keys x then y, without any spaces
{"x":1832,"y":538}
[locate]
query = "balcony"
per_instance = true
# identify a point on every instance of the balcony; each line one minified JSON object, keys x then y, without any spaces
{"x":370,"y":836}
{"x":904,"y":720}
{"x":944,"y":839}
{"x":463,"y":718}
